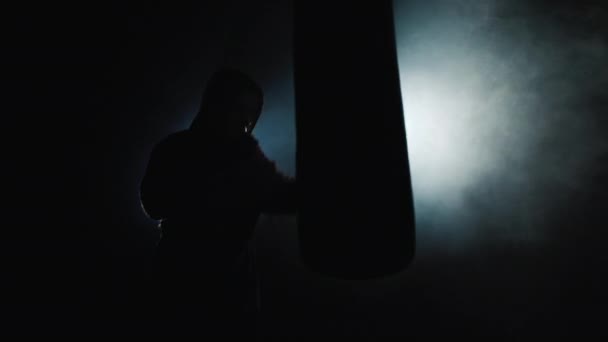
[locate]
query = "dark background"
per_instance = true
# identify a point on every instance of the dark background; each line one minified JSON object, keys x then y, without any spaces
{"x":88,"y":90}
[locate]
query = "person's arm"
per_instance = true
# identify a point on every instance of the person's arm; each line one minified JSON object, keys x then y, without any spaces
{"x":154,"y":187}
{"x":278,"y":191}
{"x":176,"y":184}
{"x":163,"y":190}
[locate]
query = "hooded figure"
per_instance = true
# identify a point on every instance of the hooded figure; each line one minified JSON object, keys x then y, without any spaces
{"x":207,"y":186}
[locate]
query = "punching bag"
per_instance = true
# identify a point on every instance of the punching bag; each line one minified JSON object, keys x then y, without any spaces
{"x":356,"y":214}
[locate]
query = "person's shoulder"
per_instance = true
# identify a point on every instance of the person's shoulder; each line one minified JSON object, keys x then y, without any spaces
{"x":251,"y":141}
{"x":175,"y":140}
{"x":256,"y":151}
{"x":252,"y":146}
{"x":178,"y":137}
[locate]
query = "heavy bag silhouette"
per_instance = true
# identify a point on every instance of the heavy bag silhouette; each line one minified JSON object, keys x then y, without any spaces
{"x":356,"y":214}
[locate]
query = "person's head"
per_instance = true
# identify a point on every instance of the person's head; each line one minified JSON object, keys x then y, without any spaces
{"x":232,"y":103}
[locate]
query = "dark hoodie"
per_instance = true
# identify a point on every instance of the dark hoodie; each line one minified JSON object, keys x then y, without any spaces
{"x":208,"y":193}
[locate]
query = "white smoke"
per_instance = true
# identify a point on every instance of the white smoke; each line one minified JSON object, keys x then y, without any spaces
{"x":498,"y":131}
